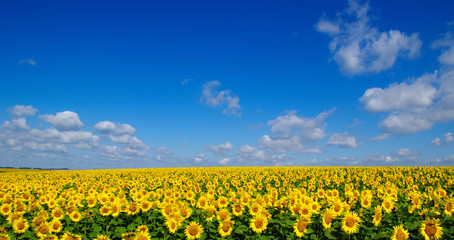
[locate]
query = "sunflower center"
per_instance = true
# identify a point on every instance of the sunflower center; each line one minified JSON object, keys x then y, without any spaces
{"x":305,"y":211}
{"x":237,"y":208}
{"x":226,"y":227}
{"x":258,"y":223}
{"x":430,"y":229}
{"x":449,"y":207}
{"x":387,"y":205}
{"x":337,"y":208}
{"x":350,"y":222}
{"x":21,"y":226}
{"x":328,"y":218}
{"x":173,"y":225}
{"x":302,"y":225}
{"x":193,"y":231}
{"x":400,"y":235}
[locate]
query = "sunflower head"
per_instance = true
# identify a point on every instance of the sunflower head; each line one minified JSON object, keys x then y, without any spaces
{"x":225,"y":228}
{"x":193,"y":231}
{"x":350,"y":222}
{"x":431,"y":229}
{"x":259,"y":224}
{"x":300,"y":227}
{"x":400,"y":233}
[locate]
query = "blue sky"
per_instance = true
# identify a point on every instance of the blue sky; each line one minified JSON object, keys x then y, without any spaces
{"x":226,"y":83}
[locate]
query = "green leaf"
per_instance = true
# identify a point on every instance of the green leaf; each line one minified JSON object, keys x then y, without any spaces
{"x":329,"y":235}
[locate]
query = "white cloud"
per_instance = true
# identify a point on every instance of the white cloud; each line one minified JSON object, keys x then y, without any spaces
{"x":22,"y":110}
{"x":293,"y":133}
{"x":283,"y":145}
{"x":199,"y":157}
{"x":45,"y":147}
{"x":77,"y":139}
{"x":64,"y":121}
{"x":183,"y":144}
{"x":248,"y":153}
{"x":30,"y":61}
{"x":360,"y":48}
{"x":224,"y":161}
{"x":107,"y":127}
{"x":380,"y":137}
{"x":186,"y":81}
{"x":447,"y":139}
{"x":342,"y":140}
{"x":415,"y":95}
{"x":414,"y":106}
{"x":220,"y":149}
{"x":224,"y":99}
{"x":405,"y":152}
{"x":310,"y":129}
{"x":447,"y":44}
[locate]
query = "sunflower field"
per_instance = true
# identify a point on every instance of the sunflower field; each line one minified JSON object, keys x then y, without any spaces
{"x":229,"y":203}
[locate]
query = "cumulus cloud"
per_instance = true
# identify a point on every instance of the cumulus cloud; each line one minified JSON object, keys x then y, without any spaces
{"x":66,"y":139}
{"x":405,"y":152}
{"x":447,"y":44}
{"x":64,"y":121}
{"x":220,"y":149}
{"x":224,"y":161}
{"x":447,"y":139}
{"x":223,"y":99}
{"x":290,"y":132}
{"x":22,"y":110}
{"x":415,"y":105}
{"x":247,"y":153}
{"x":358,"y":47}
{"x":413,"y":95}
{"x":108,"y":127}
{"x":342,"y":140}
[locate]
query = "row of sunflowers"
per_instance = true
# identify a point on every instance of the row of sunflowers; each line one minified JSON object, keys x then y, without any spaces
{"x":229,"y":203}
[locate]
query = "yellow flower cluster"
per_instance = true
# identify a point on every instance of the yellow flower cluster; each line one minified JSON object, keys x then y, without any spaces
{"x":227,"y":202}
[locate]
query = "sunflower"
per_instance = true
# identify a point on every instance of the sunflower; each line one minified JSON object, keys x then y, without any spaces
{"x":172,"y":224}
{"x":300,"y":227}
{"x":400,"y":233}
{"x":327,"y":218}
{"x":102,"y":237}
{"x":431,"y":229}
{"x":237,"y":209}
{"x":223,"y":215}
{"x":57,"y":213}
{"x":223,"y":202}
{"x":142,"y":228}
{"x":305,"y":211}
{"x":388,"y":205}
{"x":377,"y":216}
{"x":55,"y":226}
{"x":366,"y":202}
{"x":20,"y":225}
{"x":115,"y":210}
{"x":91,"y":201}
{"x":210,"y":212}
{"x":75,"y":216}
{"x":449,"y":208}
{"x":225,"y":228}
{"x":13,"y":217}
{"x":255,"y":209}
{"x":38,"y":220}
{"x":5,"y":209}
{"x":104,"y":210}
{"x":193,"y":231}
{"x":142,"y":236}
{"x":259,"y":223}
{"x":128,"y":236}
{"x":42,"y":230}
{"x":4,"y":236}
{"x":185,"y":212}
{"x":49,"y":237}
{"x":145,"y":206}
{"x":350,"y":222}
